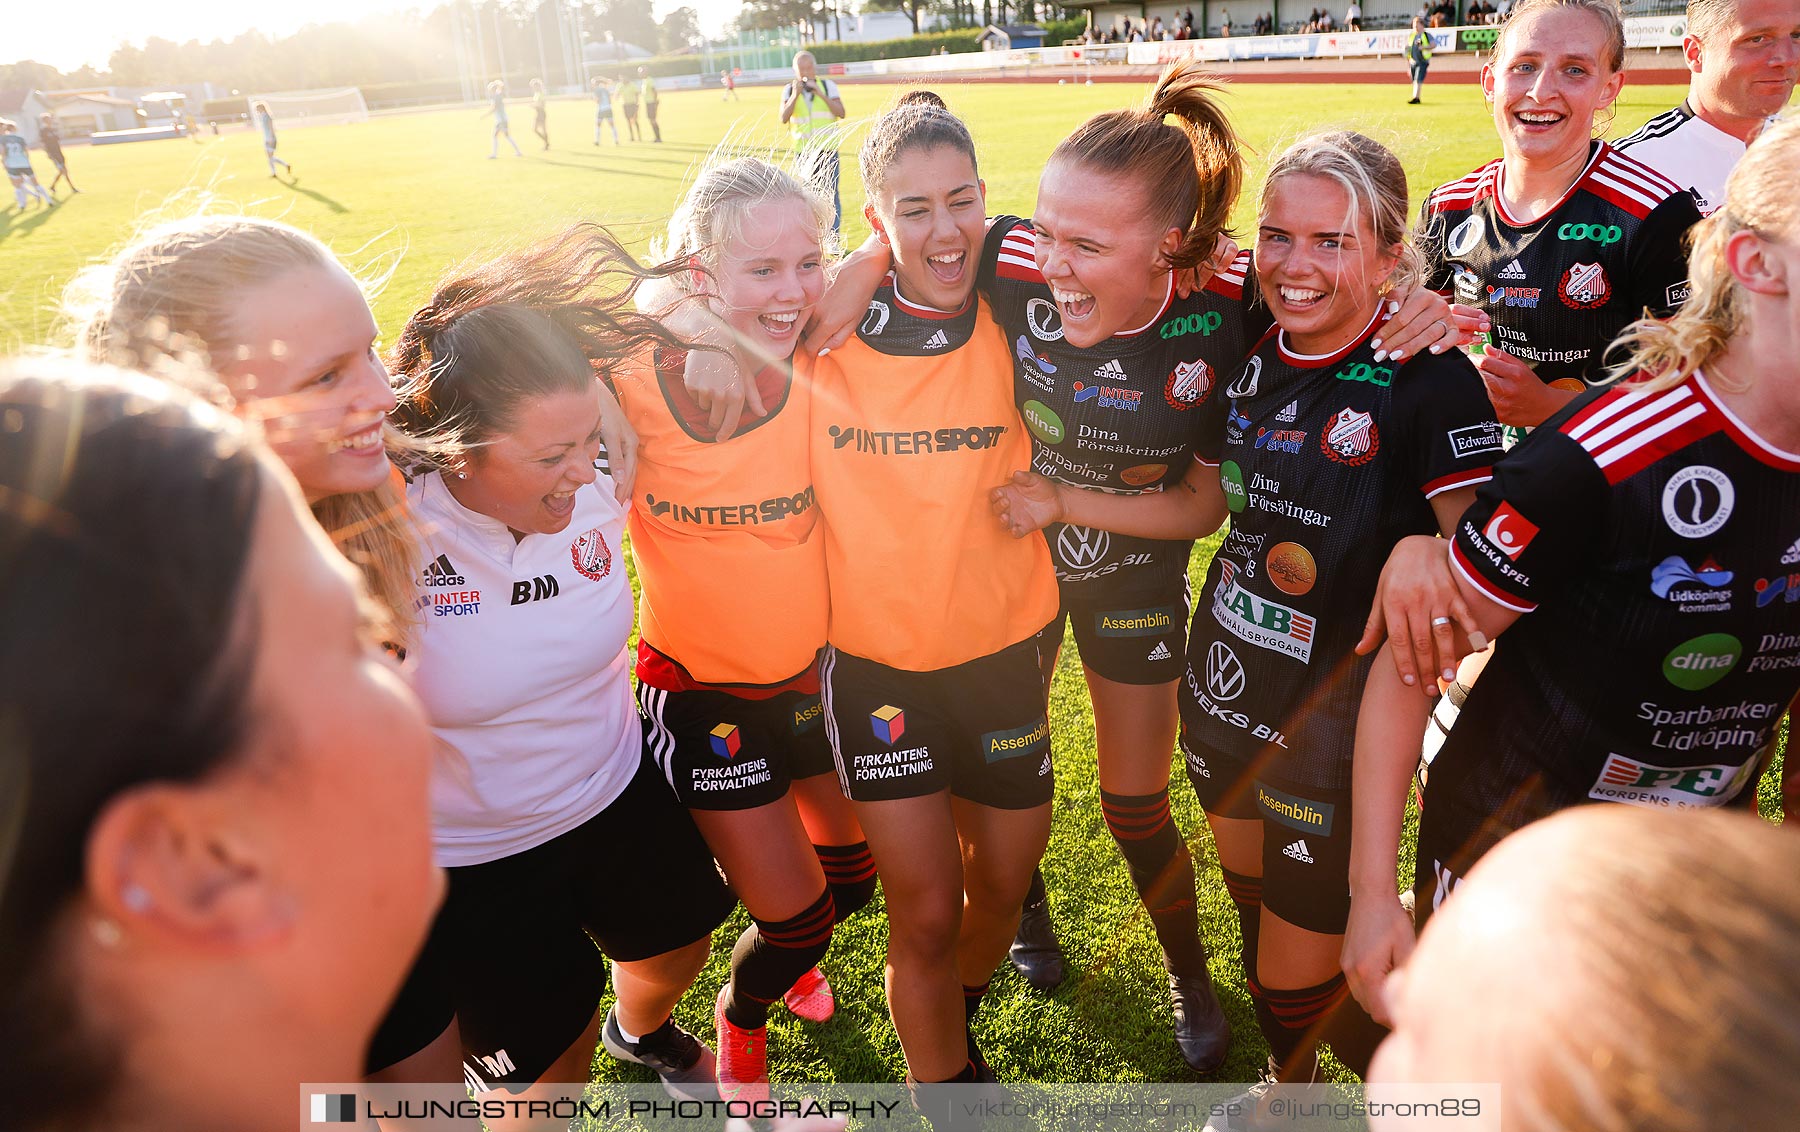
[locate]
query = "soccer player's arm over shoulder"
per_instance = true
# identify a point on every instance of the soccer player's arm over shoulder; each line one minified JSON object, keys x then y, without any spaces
{"x":998,"y":227}
{"x":1449,"y":437}
{"x":1659,"y":268}
{"x":1536,"y":526}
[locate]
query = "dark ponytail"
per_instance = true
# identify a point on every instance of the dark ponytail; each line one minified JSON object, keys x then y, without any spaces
{"x":528,"y":324}
{"x":1190,"y":175}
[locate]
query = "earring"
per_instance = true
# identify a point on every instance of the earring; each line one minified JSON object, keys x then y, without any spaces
{"x":136,"y":898}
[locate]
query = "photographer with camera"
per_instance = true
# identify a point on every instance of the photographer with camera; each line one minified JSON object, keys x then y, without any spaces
{"x":810,"y":106}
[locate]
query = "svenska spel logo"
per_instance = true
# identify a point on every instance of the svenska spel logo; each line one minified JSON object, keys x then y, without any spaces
{"x":333,"y":1108}
{"x":889,"y":723}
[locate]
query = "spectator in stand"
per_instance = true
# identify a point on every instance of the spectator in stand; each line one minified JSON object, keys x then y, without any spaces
{"x":1155,"y":32}
{"x":1225,"y":23}
{"x":1325,"y":22}
{"x":1353,"y":16}
{"x":1745,"y":57}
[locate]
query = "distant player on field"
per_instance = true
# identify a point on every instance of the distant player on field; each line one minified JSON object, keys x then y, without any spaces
{"x":51,"y":139}
{"x":496,"y":92}
{"x":628,"y":98}
{"x":259,"y":112}
{"x":1745,"y":56}
{"x":603,"y":111}
{"x":17,"y":159}
{"x":651,"y":98}
{"x":1418,"y":58}
{"x":540,"y":123}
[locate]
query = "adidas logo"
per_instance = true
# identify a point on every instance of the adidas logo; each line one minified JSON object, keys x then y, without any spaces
{"x":1792,"y":557}
{"x":1111,"y":370}
{"x":1287,"y":415}
{"x":439,"y":572}
{"x":1512,"y":271}
{"x":1160,"y":652}
{"x":937,"y":341}
{"x":1299,"y":852}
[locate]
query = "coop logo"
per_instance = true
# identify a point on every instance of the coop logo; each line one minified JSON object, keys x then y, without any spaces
{"x":876,"y":320}
{"x":1584,"y":287}
{"x":1526,"y":297}
{"x":917,"y":443}
{"x":1466,"y":235}
{"x":1382,"y":376}
{"x":1027,"y":740}
{"x":541,"y":588}
{"x":1698,"y":500}
{"x":1081,"y":548}
{"x":1224,"y":672}
{"x":591,"y":555}
{"x":1109,"y":396}
{"x":1702,"y":662}
{"x":726,"y":740}
{"x":771,"y":510}
{"x":1259,"y":621}
{"x":1603,"y":234}
{"x":1044,"y":319}
{"x":1672,"y":787}
{"x":439,"y":572}
{"x":1200,"y":322}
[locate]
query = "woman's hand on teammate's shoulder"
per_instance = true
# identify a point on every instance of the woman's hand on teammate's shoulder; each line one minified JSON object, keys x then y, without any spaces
{"x":1196,"y":278}
{"x":1420,"y":320}
{"x":1028,"y":504}
{"x":1418,"y":608}
{"x":1520,"y":397}
{"x":712,"y":380}
{"x":846,"y":299}
{"x":1378,"y":940}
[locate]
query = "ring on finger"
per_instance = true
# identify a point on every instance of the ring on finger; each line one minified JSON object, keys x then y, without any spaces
{"x":1438,"y":621}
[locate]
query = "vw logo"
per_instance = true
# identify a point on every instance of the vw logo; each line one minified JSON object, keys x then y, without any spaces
{"x":1082,"y":547}
{"x":1224,"y":673}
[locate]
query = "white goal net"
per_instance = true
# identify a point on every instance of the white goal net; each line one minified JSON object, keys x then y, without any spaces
{"x":315,"y":107}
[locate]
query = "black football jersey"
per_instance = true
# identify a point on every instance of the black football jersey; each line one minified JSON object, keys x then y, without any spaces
{"x":1328,"y":462}
{"x":1561,"y":288}
{"x":1127,"y":415}
{"x":1654,"y":541}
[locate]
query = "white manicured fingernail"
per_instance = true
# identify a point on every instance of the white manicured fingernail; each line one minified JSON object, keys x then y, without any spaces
{"x":1408,"y":681}
{"x":1478,"y":640}
{"x":1381,"y":355}
{"x":822,"y":353}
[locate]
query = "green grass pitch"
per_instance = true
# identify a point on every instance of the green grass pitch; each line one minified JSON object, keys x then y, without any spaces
{"x":416,"y":193}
